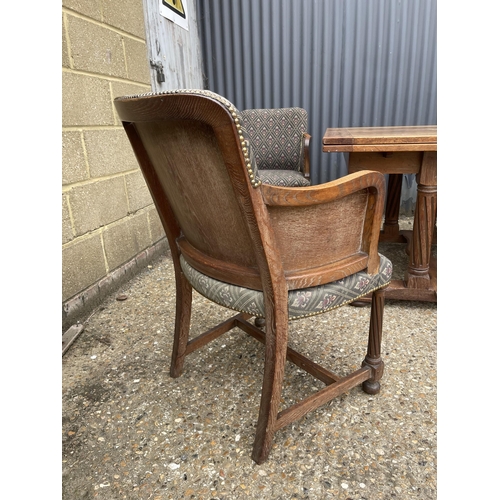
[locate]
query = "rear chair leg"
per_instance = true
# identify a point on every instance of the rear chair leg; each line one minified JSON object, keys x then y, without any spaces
{"x":182,"y":322}
{"x":373,"y":359}
{"x":275,"y":359}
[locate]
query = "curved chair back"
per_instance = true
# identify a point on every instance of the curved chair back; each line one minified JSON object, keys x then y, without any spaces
{"x":192,"y":153}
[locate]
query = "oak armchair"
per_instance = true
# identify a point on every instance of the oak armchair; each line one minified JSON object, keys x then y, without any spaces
{"x":241,"y":243}
{"x":280,"y":143}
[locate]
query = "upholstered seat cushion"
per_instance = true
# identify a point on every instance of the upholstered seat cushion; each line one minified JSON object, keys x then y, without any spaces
{"x":283,"y":178}
{"x":301,"y":303}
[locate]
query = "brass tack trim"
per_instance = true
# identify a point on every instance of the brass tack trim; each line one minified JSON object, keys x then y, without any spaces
{"x":291,"y":318}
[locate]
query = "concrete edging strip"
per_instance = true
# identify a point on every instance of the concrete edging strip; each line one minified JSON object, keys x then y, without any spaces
{"x":78,"y":307}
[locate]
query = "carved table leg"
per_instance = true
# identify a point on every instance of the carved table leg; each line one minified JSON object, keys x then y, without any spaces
{"x":417,"y":275}
{"x":390,"y":230}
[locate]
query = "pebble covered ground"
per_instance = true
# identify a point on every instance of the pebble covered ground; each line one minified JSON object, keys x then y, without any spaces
{"x":130,"y":431}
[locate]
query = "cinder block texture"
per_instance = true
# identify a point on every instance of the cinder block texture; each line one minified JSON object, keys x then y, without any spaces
{"x":155,"y":225}
{"x":82,"y":265}
{"x":67,"y":232}
{"x":125,"y":239}
{"x":65,"y":53}
{"x":97,"y":204}
{"x":128,"y":15}
{"x":138,"y":192}
{"x":107,"y":220}
{"x":137,"y":60}
{"x":96,"y":48}
{"x":74,"y":165}
{"x":85,"y":101}
{"x":90,"y":8}
{"x":109,"y":152}
{"x":120,"y":89}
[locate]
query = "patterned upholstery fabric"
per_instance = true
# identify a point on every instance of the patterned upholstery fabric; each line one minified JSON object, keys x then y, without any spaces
{"x":277,"y":144}
{"x":276,"y":136}
{"x":301,"y":303}
{"x":283,"y":178}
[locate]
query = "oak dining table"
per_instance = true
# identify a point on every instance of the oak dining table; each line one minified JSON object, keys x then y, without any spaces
{"x":396,"y":151}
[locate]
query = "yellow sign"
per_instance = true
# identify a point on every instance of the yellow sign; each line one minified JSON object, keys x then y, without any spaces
{"x":176,"y":6}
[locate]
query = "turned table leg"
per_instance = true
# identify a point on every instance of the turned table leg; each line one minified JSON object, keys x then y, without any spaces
{"x":417,"y":275}
{"x":390,"y":231}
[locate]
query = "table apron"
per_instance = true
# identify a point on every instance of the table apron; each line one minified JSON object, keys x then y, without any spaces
{"x":407,"y":162}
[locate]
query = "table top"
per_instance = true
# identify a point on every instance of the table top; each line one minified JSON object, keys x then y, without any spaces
{"x":402,"y":138}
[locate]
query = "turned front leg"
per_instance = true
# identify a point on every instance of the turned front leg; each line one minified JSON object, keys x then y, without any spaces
{"x":373,"y":359}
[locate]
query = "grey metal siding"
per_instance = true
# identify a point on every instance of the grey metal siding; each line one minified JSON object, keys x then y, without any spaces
{"x":347,"y":62}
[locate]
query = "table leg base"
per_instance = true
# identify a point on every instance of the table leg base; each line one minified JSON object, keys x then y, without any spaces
{"x":398,"y":290}
{"x":386,"y":237}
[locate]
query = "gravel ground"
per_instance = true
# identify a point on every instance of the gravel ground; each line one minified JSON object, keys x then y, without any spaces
{"x":131,"y":432}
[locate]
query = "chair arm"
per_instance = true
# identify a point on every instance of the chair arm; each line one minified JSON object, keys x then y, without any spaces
{"x":306,"y":140}
{"x":324,"y":193}
{"x":335,"y":225}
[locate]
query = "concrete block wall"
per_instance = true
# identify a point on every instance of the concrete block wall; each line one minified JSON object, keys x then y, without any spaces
{"x":108,"y":217}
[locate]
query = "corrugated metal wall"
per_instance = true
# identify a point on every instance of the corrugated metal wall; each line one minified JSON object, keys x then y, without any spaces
{"x":347,"y":62}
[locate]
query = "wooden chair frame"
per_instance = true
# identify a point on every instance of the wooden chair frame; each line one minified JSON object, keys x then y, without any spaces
{"x":344,"y":218}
